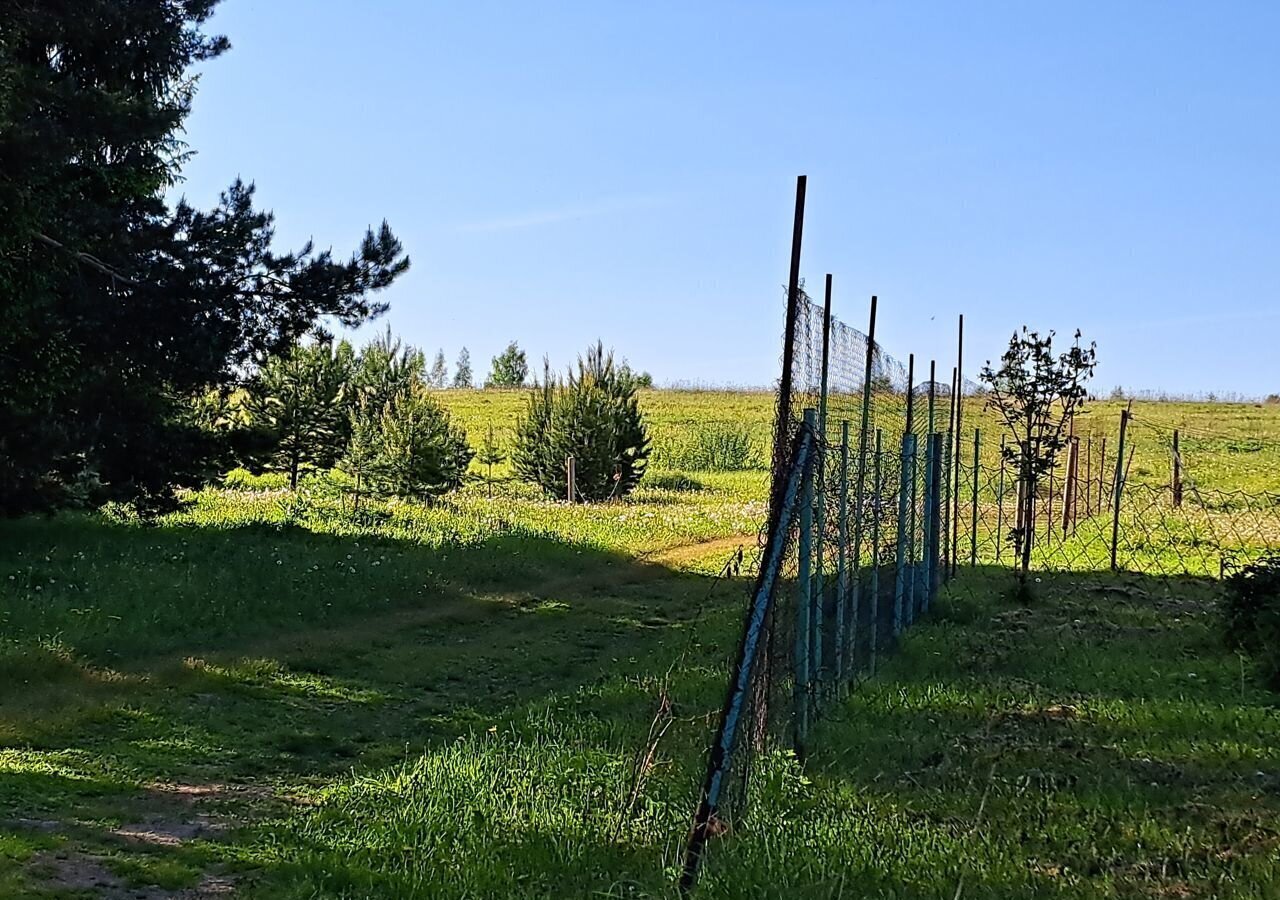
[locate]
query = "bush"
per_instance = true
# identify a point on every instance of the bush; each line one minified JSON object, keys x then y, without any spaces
{"x":592,"y":416}
{"x":1251,"y":613}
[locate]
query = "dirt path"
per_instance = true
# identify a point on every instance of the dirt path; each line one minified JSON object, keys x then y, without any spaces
{"x":683,"y":556}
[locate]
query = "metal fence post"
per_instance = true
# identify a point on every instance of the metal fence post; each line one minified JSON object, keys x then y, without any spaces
{"x":859,"y":501}
{"x":907,"y":613}
{"x":1116,"y":489}
{"x":876,"y":516}
{"x":1177,"y":472}
{"x":1000,"y":504}
{"x":804,"y":597}
{"x":977,"y":472}
{"x":900,"y":558}
{"x":935,"y":502}
{"x":842,"y":578}
{"x":927,"y":524}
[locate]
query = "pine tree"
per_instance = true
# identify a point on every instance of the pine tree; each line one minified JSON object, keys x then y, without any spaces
{"x":490,"y":455}
{"x":386,"y":370}
{"x":593,"y":415}
{"x":439,"y":376}
{"x":462,"y":377}
{"x":297,"y":401}
{"x":416,"y":450}
{"x":510,"y":368}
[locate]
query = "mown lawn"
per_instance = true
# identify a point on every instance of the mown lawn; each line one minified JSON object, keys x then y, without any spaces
{"x":268,"y":697}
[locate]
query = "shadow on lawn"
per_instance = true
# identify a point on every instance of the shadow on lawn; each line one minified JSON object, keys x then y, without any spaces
{"x":493,"y":696}
{"x":211,"y":658}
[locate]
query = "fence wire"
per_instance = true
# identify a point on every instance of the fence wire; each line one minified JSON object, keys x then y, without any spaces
{"x":889,"y":494}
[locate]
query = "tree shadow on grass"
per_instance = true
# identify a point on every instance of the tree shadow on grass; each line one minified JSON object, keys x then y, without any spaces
{"x":218,"y":657}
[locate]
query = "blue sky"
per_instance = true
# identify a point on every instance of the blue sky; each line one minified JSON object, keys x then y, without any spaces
{"x":566,"y":171}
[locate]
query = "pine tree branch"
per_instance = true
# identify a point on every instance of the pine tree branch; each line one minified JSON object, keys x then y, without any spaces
{"x":87,"y":259}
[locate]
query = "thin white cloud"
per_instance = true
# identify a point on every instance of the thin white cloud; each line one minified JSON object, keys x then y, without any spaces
{"x":564,"y":214}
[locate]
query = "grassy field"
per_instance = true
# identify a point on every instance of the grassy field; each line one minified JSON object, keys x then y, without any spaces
{"x":1224,"y":446}
{"x":267,"y":696}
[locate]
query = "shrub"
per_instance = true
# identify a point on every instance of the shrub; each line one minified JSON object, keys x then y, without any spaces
{"x":1251,"y":613}
{"x":594,"y":417}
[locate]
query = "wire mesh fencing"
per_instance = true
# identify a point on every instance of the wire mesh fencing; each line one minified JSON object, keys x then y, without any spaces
{"x":885,"y":497}
{"x":854,"y":552}
{"x":1090,"y":518}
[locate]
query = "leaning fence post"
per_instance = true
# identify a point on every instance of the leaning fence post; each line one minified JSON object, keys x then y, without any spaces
{"x":1069,"y":487}
{"x":571,"y":479}
{"x":973,"y":535}
{"x":859,"y":501}
{"x":842,"y":577}
{"x":804,"y":594}
{"x":1116,"y":489}
{"x":877,"y":491}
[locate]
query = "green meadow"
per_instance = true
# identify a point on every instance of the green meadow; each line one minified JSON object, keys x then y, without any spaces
{"x":272,"y":695}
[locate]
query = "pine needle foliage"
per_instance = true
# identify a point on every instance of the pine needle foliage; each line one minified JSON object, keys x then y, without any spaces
{"x":592,"y":415}
{"x":420,"y":452}
{"x":297,"y":402}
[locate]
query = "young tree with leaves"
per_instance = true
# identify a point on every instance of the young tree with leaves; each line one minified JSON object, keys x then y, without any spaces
{"x":592,"y":415}
{"x":1036,"y":393}
{"x":510,"y":368}
{"x":462,"y":377}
